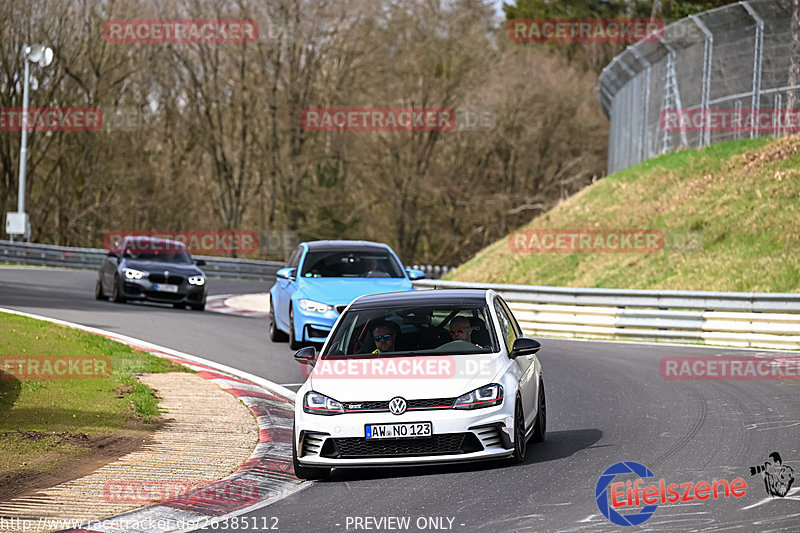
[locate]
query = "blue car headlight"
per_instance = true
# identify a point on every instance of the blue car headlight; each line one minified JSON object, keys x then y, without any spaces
{"x":131,"y":273}
{"x":486,"y":396}
{"x":314,"y":307}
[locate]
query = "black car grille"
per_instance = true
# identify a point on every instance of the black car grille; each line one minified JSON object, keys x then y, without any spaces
{"x":444,"y":444}
{"x":159,"y":295}
{"x":427,"y":404}
{"x":160,"y":278}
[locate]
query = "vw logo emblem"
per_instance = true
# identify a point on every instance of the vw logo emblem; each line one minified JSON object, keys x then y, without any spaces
{"x":397,"y":406}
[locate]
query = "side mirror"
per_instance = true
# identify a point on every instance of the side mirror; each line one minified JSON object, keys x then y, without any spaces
{"x":415,"y":274}
{"x":306,"y":355}
{"x":524,"y":346}
{"x":286,"y":273}
{"x":200,"y":262}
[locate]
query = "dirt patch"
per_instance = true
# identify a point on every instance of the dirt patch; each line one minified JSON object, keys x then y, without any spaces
{"x":77,"y":455}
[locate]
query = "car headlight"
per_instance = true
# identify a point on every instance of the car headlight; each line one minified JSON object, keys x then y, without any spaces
{"x":130,"y":273}
{"x":319,"y":404}
{"x":314,"y":307}
{"x":485,"y":396}
{"x":197,"y":280}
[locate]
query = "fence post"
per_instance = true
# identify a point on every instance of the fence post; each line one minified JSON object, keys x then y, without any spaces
{"x":644,"y":153}
{"x":705,"y":88}
{"x":755,"y":100}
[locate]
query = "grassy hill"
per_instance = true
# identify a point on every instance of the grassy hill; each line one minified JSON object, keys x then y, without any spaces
{"x":739,"y":200}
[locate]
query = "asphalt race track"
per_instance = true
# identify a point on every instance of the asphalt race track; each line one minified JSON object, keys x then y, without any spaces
{"x":606,"y":403}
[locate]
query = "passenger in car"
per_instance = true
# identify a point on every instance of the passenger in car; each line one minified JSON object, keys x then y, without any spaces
{"x":371,"y":269}
{"x":461,"y":329}
{"x":385,"y":335}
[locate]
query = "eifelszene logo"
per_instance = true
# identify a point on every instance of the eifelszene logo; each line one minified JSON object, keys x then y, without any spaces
{"x":615,"y":496}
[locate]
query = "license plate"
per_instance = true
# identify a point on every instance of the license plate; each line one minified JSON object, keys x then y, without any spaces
{"x":398,"y":431}
{"x":166,"y":287}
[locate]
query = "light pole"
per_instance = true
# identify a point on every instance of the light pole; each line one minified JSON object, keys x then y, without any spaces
{"x":17,"y":223}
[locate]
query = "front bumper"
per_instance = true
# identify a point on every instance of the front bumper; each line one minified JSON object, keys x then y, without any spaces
{"x":313,"y":327}
{"x":144,"y":289}
{"x":458,"y":436}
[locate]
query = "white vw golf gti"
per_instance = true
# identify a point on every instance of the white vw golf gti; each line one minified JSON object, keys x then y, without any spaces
{"x":419,"y":377}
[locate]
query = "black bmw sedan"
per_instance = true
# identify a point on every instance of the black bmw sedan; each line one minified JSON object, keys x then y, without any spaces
{"x":157,"y":270}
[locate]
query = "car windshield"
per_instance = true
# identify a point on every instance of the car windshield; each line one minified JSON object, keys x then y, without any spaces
{"x":351,"y":264}
{"x":431,"y":330}
{"x":174,"y":256}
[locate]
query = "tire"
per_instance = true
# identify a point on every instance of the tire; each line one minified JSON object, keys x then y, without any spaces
{"x":275,"y":335}
{"x":198,"y":307}
{"x":540,"y":426}
{"x":520,"y":442}
{"x":116,"y":294}
{"x":306,"y":472}
{"x":294,"y":344}
{"x":98,"y":290}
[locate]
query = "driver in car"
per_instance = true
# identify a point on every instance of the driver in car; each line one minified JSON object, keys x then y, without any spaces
{"x":385,"y":335}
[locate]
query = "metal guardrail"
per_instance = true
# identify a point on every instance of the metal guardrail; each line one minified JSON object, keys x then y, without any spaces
{"x":91,"y":258}
{"x":745,"y":319}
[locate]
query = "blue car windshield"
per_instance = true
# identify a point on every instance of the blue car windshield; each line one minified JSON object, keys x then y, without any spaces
{"x":431,"y":330}
{"x":351,"y":264}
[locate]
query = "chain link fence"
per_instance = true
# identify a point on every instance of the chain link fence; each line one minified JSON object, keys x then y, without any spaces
{"x":717,"y":76}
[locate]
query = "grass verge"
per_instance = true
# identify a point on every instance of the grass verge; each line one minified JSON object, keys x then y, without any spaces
{"x":739,"y":201}
{"x":45,"y":424}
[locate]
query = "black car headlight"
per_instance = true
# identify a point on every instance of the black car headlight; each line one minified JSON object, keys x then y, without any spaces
{"x":319,"y":404}
{"x":485,"y":396}
{"x":197,"y":280}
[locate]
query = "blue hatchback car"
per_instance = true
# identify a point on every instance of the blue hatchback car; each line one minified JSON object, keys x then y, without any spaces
{"x":322,"y":277}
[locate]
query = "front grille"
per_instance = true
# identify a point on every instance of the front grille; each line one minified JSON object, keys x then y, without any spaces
{"x":435,"y":403}
{"x":426,"y":404}
{"x":355,"y":407}
{"x":159,"y":295}
{"x":444,"y":444}
{"x":160,"y":278}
